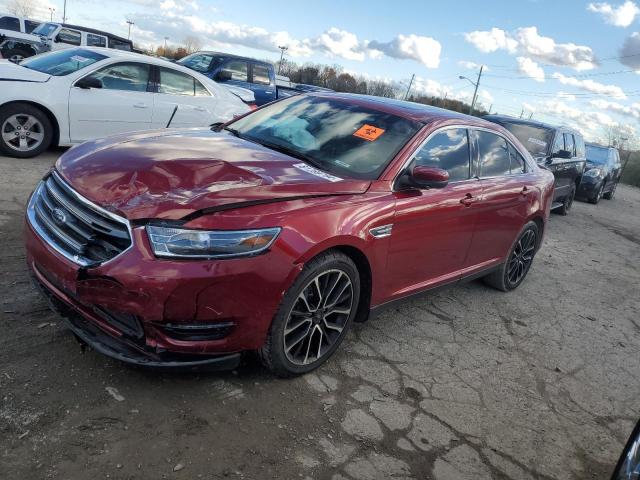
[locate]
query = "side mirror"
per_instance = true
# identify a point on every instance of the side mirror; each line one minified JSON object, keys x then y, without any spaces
{"x":223,"y":76}
{"x":427,"y":177}
{"x":628,"y":467}
{"x":89,"y":82}
{"x":563,"y":154}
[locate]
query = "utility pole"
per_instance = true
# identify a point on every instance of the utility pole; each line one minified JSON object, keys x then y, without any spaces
{"x":521,"y":112}
{"x":475,"y":92}
{"x":64,"y":12}
{"x":164,"y":51}
{"x":130,"y":23}
{"x":51,"y":10}
{"x":490,"y":108}
{"x":406,"y":95}
{"x":282,"y":48}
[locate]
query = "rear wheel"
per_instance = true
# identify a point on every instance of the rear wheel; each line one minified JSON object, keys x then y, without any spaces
{"x":16,"y":55}
{"x":609,"y":195}
{"x":512,"y":272}
{"x":313,"y":317}
{"x":598,"y":195}
{"x":25,"y":131}
{"x":567,"y":202}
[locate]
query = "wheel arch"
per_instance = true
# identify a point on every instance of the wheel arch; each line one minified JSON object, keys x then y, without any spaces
{"x":539,"y":221}
{"x":55,"y":141}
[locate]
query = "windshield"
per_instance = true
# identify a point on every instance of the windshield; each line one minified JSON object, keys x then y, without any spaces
{"x":333,"y":135}
{"x":201,"y":62}
{"x":45,"y":29}
{"x":535,"y":139}
{"x":62,"y":62}
{"x":597,"y":155}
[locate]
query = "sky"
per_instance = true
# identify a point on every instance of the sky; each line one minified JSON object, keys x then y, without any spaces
{"x":564,"y":62}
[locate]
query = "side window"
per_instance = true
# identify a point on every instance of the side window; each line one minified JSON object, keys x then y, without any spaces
{"x":96,"y":40}
{"x":261,"y":75}
{"x":580,"y":148}
{"x":201,"y":91}
{"x":558,"y":144}
{"x":494,"y":155}
{"x":124,"y":76}
{"x":72,"y":37}
{"x":238,"y":70}
{"x":448,"y":150}
{"x":30,"y":26}
{"x":518,"y":165}
{"x":173,"y":82}
{"x":568,"y":144}
{"x":10,"y":23}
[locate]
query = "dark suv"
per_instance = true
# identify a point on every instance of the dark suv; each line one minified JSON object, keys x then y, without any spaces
{"x":602,"y":173}
{"x":559,"y":149}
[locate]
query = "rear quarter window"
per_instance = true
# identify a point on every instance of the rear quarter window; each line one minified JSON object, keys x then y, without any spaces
{"x":10,"y":23}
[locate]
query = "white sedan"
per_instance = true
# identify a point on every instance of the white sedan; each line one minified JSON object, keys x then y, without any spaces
{"x":74,"y":95}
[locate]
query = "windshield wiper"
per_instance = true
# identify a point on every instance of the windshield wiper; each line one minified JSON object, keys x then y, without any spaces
{"x":232,"y":131}
{"x":291,"y":152}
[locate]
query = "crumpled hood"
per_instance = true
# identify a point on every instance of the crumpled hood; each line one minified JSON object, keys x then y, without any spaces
{"x":171,"y":174}
{"x":13,"y":71}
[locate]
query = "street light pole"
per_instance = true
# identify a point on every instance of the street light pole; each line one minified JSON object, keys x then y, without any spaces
{"x":51,"y":10}
{"x":64,"y":12}
{"x":282,"y":50}
{"x":406,"y":95}
{"x":475,"y":91}
{"x":130,"y":23}
{"x":164,"y":51}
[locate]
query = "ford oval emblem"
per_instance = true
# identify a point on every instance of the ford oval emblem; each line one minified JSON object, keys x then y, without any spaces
{"x":59,"y":216}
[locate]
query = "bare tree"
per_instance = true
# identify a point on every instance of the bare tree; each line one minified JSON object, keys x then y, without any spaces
{"x":22,"y":8}
{"x":192,"y":44}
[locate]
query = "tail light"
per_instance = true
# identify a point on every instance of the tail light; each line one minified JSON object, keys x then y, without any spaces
{"x":252,"y":106}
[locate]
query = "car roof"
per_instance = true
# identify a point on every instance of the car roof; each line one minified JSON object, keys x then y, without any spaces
{"x":126,"y":55}
{"x":402,"y":108}
{"x":97,"y":32}
{"x":532,"y":123}
{"x":230,"y":55}
{"x":594,"y":144}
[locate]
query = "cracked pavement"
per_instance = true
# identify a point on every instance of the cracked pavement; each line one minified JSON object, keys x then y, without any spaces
{"x":465,"y":383}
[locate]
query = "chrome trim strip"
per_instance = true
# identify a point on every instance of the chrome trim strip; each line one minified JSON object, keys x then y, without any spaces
{"x":382,"y":231}
{"x":83,"y":262}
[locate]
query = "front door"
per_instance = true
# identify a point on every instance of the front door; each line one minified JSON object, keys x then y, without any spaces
{"x":122,"y":105}
{"x":432,"y":229}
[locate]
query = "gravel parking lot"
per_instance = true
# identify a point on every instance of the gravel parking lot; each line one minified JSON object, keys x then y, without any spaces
{"x":466,"y":383}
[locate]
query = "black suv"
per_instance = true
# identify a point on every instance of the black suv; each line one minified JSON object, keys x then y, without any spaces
{"x":602,"y":173}
{"x":559,"y":149}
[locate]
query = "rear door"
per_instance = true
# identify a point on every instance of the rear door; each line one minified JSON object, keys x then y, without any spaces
{"x":123,"y":104}
{"x":507,"y":194}
{"x":263,"y":86}
{"x":181,"y":99}
{"x":432,"y":229}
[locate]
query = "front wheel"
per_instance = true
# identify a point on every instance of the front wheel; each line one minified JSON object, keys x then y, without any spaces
{"x":25,"y":131}
{"x":598,"y":195}
{"x":512,"y":272}
{"x":609,"y":195}
{"x":567,"y":202}
{"x":313,"y":317}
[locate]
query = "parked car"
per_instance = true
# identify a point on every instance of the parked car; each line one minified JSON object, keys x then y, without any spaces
{"x":57,"y":36}
{"x":244,"y":72}
{"x":559,"y":149}
{"x":79,"y":94}
{"x":279,"y":230}
{"x":602,"y":173}
{"x":13,"y":29}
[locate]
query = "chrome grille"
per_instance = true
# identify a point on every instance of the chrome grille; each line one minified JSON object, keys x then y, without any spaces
{"x":81,"y":231}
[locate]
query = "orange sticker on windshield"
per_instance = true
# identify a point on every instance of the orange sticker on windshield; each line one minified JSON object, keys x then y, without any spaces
{"x":368,"y":132}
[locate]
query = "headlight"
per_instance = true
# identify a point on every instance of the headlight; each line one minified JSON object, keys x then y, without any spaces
{"x":179,"y":242}
{"x":593,"y":172}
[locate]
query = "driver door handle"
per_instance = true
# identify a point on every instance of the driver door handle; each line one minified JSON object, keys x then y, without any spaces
{"x":140,"y":105}
{"x":525,"y":190}
{"x":468,"y":200}
{"x":200,"y":109}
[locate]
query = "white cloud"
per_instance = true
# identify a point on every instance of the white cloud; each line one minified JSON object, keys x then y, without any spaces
{"x":531,"y":69}
{"x":424,"y":50}
{"x":341,"y":44}
{"x":630,"y":51}
{"x":632,"y":110}
{"x":566,"y":96}
{"x":528,"y":42}
{"x":591,"y":86}
{"x":492,"y":40}
{"x":472,"y":65}
{"x":621,"y":16}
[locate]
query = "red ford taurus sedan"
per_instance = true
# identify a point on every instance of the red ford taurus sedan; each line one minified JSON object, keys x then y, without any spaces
{"x":276,"y":231}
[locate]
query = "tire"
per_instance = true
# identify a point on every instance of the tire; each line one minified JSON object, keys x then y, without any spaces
{"x":598,"y":195}
{"x":16,"y":55}
{"x":524,"y":248}
{"x":567,"y":202}
{"x":285,"y":356}
{"x":609,"y":195}
{"x":15,"y":140}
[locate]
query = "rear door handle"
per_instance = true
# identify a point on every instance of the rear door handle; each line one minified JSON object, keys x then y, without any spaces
{"x":140,"y":105}
{"x":200,"y":109}
{"x":468,"y":199}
